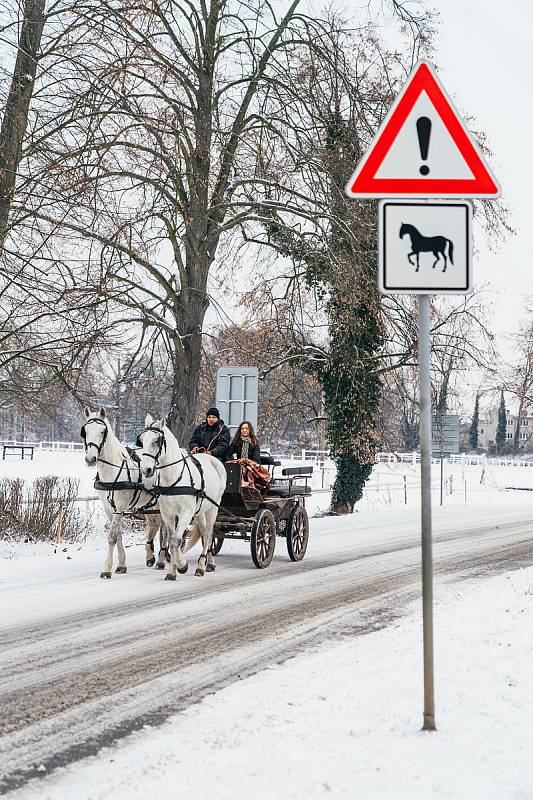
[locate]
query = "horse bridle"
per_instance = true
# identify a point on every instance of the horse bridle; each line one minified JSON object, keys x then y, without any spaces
{"x":93,"y":444}
{"x":162,"y":442}
{"x":162,"y":447}
{"x":174,"y":488}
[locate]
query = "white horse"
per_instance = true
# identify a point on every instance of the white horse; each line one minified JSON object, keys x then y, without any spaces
{"x":190,"y":489}
{"x":117,"y":482}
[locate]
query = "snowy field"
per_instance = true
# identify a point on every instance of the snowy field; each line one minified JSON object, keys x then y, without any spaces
{"x":342,"y":720}
{"x":391,"y":486}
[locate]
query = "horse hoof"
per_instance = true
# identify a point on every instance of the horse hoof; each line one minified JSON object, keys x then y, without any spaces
{"x":169,"y":577}
{"x":105,"y":574}
{"x":198,"y":573}
{"x":159,"y":565}
{"x":150,"y":562}
{"x":121,"y":570}
{"x":183,"y":570}
{"x":210,"y":568}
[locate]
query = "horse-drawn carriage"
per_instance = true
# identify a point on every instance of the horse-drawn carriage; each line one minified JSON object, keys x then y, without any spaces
{"x":195,"y":496}
{"x":259,"y":516}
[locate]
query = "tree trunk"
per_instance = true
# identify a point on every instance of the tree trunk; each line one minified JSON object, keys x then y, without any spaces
{"x":516,"y":437}
{"x":15,"y":120}
{"x":187,"y":361}
{"x":349,"y":483}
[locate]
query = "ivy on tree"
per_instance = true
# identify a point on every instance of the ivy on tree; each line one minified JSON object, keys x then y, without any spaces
{"x":343,"y":273}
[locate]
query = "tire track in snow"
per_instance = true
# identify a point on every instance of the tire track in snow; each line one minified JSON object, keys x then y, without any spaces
{"x":84,"y":683}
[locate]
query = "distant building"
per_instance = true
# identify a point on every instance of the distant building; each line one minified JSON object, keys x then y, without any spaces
{"x":488,"y":425}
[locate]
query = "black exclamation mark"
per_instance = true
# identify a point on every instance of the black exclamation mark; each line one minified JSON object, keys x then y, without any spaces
{"x":423,"y":128}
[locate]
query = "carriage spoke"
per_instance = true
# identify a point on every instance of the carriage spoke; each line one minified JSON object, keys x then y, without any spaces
{"x":297,"y":533}
{"x":263,"y":538}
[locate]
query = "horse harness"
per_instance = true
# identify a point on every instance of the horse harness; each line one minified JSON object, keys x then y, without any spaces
{"x":93,"y":444}
{"x":174,"y":490}
{"x":137,"y":487}
{"x":117,"y":485}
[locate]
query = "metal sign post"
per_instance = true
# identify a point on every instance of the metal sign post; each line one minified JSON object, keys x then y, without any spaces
{"x":424,"y":152}
{"x":424,"y":370}
{"x":446,"y":430}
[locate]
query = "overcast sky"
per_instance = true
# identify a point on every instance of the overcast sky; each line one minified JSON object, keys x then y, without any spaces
{"x":484,"y":52}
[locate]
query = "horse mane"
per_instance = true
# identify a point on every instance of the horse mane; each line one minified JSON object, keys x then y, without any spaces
{"x":166,"y":431}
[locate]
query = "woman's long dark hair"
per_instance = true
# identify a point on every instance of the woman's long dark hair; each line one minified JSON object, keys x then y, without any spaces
{"x":238,"y":434}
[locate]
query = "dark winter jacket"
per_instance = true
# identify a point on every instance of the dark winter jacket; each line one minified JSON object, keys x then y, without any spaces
{"x":215,"y":438}
{"x":235,"y":450}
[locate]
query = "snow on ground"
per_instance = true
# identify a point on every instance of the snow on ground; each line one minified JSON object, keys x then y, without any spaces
{"x":344,"y":721}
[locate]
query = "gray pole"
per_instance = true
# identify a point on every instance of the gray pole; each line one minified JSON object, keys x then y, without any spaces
{"x":441,"y":445}
{"x":424,"y":366}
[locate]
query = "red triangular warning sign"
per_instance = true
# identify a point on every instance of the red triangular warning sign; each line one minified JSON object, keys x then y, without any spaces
{"x":422,"y":149}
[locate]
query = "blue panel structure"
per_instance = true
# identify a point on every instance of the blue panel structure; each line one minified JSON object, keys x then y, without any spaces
{"x":237,"y":395}
{"x":445,"y":430}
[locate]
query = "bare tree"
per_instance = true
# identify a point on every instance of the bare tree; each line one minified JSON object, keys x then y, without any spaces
{"x":30,"y":19}
{"x":48,"y":323}
{"x":461,"y":341}
{"x":153,"y":170}
{"x":517,"y":379}
{"x":400,"y":410}
{"x":289,"y":399}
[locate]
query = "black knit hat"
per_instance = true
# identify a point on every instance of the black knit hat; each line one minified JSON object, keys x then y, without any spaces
{"x":213,"y":412}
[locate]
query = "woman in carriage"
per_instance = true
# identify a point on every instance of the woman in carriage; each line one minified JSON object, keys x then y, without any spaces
{"x":245,"y":449}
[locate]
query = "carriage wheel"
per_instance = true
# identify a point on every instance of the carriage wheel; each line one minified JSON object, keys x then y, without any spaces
{"x":263,"y":538}
{"x":216,"y":545}
{"x":297,"y":533}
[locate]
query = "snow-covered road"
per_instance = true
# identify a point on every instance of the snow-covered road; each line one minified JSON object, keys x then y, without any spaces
{"x":87,"y":661}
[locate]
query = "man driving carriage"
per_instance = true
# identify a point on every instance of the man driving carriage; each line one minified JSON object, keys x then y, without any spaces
{"x":212,"y":436}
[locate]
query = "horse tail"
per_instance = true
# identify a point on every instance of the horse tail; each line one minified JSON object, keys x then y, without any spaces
{"x":450,"y":250}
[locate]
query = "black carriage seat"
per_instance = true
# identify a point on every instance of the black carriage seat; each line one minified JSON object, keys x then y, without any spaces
{"x":286,"y":486}
{"x":269,"y":461}
{"x":289,"y":490}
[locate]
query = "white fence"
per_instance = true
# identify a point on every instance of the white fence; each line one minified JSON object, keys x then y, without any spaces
{"x":322,"y":458}
{"x":59,"y":447}
{"x":464,"y":459}
{"x":479,"y":459}
{"x":62,"y":447}
{"x":325,"y":470}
